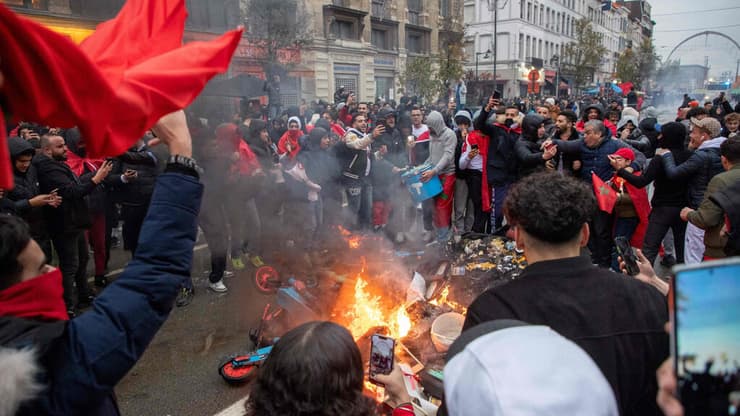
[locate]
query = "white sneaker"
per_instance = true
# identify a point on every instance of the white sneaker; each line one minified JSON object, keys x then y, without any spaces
{"x":218,"y":287}
{"x":399,"y":237}
{"x":228,"y":273}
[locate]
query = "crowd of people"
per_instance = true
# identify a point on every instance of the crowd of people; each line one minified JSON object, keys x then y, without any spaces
{"x":536,"y":171}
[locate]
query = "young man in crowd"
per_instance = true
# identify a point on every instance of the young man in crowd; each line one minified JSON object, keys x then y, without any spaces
{"x":721,"y":201}
{"x":441,"y":158}
{"x":699,"y":168}
{"x":68,"y":222}
{"x":617,"y":321}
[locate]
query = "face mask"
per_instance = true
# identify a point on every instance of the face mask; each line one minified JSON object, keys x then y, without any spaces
{"x":509,"y":122}
{"x":37,"y":298}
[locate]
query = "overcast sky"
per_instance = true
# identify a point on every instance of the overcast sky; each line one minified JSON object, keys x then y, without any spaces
{"x":678,"y":19}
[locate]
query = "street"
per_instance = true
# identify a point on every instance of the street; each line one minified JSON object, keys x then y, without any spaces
{"x":178,"y":373}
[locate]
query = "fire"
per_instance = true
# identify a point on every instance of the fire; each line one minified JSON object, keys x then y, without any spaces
{"x":443,"y":300}
{"x":352,"y":240}
{"x":367,"y":312}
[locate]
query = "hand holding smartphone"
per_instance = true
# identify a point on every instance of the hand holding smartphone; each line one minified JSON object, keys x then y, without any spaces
{"x":625,"y":251}
{"x":381,"y":355}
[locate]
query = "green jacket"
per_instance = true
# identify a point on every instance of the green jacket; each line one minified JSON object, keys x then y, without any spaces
{"x":710,"y":217}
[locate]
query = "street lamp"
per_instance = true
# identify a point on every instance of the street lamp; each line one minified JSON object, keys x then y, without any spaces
{"x":486,"y":55}
{"x":555,"y":61}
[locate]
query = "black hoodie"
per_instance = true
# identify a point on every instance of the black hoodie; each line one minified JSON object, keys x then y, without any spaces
{"x":527,"y":148}
{"x":26,"y":187}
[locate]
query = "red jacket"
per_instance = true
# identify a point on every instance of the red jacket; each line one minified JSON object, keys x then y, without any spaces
{"x":640,"y":200}
{"x":476,"y":137}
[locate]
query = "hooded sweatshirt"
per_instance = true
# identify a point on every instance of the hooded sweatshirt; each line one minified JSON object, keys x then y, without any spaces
{"x":291,"y":137}
{"x":441,"y":144}
{"x":608,"y":124}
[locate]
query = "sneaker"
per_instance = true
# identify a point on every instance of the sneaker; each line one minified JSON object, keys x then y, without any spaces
{"x":400,"y":237}
{"x":237,"y":263}
{"x":228,"y":273}
{"x":256,"y":261}
{"x":101,"y":281}
{"x":427,"y":236}
{"x":218,"y":287}
{"x":184,"y":297}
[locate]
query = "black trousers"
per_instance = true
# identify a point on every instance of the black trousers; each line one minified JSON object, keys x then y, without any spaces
{"x":133,"y":218}
{"x":212,"y":220}
{"x":73,"y":256}
{"x":480,"y":218}
{"x":600,"y":242}
{"x":662,"y":219}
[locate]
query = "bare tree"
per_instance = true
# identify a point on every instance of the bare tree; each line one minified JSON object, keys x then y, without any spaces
{"x":275,"y":27}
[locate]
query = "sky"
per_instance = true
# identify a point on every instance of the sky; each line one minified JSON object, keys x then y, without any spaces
{"x":709,"y":308}
{"x":674,"y":20}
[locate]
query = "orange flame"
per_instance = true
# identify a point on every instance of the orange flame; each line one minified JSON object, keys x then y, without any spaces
{"x":354,"y":242}
{"x":442,"y":299}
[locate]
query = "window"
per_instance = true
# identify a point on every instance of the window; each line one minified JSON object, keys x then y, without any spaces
{"x":343,"y":23}
{"x":380,"y":9}
{"x":469,"y":15}
{"x":521,"y":47}
{"x":444,"y":8}
{"x":415,"y":11}
{"x":417,"y":41}
{"x":379,"y":39}
{"x":205,"y":14}
{"x":343,"y":29}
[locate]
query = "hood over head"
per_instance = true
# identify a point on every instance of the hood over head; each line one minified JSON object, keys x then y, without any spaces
{"x":464,"y":114}
{"x":255,"y":128}
{"x":324,"y":124}
{"x":623,"y":121}
{"x":509,"y":367}
{"x":18,"y":147}
{"x":297,"y":120}
{"x":313,"y":140}
{"x":673,"y":135}
{"x":629,"y":111}
{"x":650,"y":112}
{"x":436,"y":122}
{"x":596,"y":106}
{"x":531,"y":124}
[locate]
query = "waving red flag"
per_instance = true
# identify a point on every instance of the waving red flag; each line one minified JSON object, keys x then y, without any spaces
{"x":605,"y":195}
{"x":124,"y":78}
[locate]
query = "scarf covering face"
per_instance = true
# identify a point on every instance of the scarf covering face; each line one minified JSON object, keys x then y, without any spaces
{"x":37,"y":298}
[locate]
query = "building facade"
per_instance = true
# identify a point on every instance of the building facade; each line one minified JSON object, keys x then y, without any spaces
{"x":530,"y":33}
{"x":363,"y":45}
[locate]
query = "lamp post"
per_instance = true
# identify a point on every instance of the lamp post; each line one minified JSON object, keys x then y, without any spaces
{"x":555,"y":60}
{"x":485,"y":54}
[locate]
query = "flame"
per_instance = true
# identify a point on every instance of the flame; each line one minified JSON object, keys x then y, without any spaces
{"x":367,"y":312}
{"x":353,"y":241}
{"x":442,"y":299}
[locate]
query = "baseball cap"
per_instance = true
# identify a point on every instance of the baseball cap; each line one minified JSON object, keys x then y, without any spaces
{"x":709,"y":124}
{"x":510,"y":367}
{"x":625,"y":152}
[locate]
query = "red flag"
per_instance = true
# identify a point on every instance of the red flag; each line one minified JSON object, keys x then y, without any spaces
{"x":605,"y":195}
{"x":113,"y":97}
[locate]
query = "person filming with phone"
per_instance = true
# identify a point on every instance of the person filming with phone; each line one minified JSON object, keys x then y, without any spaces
{"x":617,"y":321}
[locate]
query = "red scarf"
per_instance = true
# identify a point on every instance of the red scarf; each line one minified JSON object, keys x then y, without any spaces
{"x":290,"y":136}
{"x":37,"y":298}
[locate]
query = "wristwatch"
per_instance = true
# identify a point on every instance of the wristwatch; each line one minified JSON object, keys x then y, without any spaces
{"x":184,"y":164}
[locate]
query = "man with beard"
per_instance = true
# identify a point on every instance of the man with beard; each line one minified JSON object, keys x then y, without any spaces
{"x":67,"y":223}
{"x":565,"y":130}
{"x":503,"y":132}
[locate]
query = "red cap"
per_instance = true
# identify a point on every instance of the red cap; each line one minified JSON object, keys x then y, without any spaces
{"x":626,"y":153}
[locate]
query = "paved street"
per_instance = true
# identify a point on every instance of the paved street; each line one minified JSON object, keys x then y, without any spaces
{"x":178,"y":374}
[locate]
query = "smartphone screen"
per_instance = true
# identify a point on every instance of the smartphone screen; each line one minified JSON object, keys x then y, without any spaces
{"x":706,"y":336}
{"x":624,"y":250}
{"x":381,"y":354}
{"x":496,"y":95}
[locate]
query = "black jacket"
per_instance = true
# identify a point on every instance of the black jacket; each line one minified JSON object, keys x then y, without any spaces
{"x":699,"y":169}
{"x":26,"y":187}
{"x":527,"y":148}
{"x":668,"y":192}
{"x":501,"y":166}
{"x":618,"y":321}
{"x":138,"y":191}
{"x":73,"y":214}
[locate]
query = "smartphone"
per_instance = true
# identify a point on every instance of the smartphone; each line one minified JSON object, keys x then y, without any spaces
{"x":474,"y":146}
{"x":705,"y":343}
{"x":381,"y":354}
{"x":625,"y":251}
{"x":496,"y":95}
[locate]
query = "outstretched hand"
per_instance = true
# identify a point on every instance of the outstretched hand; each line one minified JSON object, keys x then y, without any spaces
{"x":172,"y":130}
{"x":395,"y":387}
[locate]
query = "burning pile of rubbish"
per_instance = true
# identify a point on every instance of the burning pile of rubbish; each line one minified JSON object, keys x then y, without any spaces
{"x":418,"y":298}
